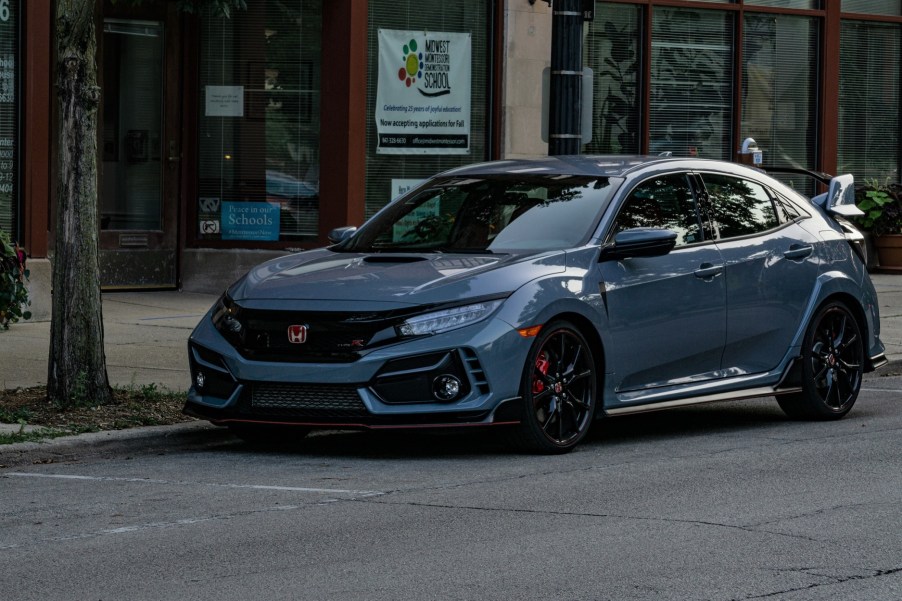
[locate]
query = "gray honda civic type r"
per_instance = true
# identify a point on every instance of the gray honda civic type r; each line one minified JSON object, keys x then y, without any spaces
{"x":538,"y":295}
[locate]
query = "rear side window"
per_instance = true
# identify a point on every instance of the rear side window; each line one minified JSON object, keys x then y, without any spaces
{"x":785,"y":210}
{"x":739,"y":207}
{"x":663,"y":202}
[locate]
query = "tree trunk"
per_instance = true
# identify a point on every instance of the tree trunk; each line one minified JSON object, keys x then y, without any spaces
{"x":77,"y":368}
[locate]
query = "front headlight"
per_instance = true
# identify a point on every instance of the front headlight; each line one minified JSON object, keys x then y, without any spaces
{"x":447,"y":319}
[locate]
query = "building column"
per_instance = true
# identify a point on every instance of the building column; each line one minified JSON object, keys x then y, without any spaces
{"x":36,"y":115}
{"x":343,"y":116}
{"x":38,"y":156}
{"x":829,"y":102}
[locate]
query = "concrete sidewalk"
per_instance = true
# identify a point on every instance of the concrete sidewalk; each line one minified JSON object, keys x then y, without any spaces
{"x":889,"y":293}
{"x":146,"y":336}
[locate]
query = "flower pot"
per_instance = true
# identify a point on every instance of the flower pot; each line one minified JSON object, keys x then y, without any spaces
{"x":889,"y":252}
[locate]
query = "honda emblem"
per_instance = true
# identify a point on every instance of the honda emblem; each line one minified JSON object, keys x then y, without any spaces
{"x":297,"y":334}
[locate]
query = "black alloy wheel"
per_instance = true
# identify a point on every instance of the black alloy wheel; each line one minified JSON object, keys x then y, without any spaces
{"x":832,"y":366}
{"x":559,"y":390}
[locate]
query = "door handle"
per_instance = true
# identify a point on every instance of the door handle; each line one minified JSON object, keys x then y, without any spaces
{"x":798,"y":251}
{"x":707,"y":271}
{"x":174,"y":156}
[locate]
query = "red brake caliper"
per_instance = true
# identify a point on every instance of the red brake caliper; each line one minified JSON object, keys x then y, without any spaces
{"x":542,"y":364}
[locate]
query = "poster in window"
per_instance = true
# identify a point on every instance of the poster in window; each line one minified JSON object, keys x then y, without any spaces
{"x":423,"y":93}
{"x":136,"y":145}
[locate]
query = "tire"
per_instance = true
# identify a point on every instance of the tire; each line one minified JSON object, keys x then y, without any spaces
{"x":559,"y":388}
{"x":263,"y":435}
{"x":832,"y":366}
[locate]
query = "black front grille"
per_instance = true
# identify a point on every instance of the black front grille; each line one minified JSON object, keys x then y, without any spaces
{"x":305,"y":400}
{"x":331,"y":337}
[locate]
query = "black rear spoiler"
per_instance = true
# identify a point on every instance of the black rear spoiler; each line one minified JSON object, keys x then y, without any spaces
{"x":820,"y":176}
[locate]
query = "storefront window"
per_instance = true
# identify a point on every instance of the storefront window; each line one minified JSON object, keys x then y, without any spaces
{"x":691,"y":82}
{"x":9,"y":115}
{"x":779,"y":95}
{"x":259,"y":123}
{"x":869,"y":100}
{"x":432,"y":61}
{"x":612,"y":51}
{"x":803,"y":4}
{"x":873,"y":7}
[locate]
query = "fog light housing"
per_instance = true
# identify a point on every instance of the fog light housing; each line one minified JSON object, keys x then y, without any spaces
{"x":200,"y":379}
{"x":232,"y":325}
{"x":446,"y":387}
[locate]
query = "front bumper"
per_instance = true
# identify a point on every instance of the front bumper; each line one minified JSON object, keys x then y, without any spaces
{"x":390,"y":388}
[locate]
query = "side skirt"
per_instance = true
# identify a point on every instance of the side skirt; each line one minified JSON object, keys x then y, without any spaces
{"x":698,"y":400}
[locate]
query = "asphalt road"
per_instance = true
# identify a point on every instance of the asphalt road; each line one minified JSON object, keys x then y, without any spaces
{"x":718,"y":502}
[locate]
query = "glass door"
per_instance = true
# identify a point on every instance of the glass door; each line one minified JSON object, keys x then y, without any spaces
{"x":139,"y":152}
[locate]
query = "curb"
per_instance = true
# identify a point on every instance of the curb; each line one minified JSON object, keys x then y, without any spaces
{"x":145,"y":439}
{"x":160,"y":439}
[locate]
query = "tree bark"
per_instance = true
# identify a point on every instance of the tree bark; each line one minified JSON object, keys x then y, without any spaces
{"x":77,"y":367}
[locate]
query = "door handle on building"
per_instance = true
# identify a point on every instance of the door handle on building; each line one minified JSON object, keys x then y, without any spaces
{"x":174,"y":156}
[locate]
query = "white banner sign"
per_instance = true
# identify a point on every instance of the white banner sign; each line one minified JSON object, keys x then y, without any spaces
{"x":403,"y":186}
{"x":423,"y":93}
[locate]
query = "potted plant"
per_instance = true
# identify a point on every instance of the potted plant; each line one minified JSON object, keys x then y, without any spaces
{"x":882,"y":206}
{"x":13,"y":294}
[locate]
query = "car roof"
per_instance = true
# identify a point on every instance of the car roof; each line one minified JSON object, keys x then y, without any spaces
{"x":594,"y":165}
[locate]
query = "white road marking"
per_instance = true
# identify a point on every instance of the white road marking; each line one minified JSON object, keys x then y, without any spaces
{"x":181,"y":522}
{"x":146,"y":526}
{"x":880,"y":390}
{"x":358,"y":493}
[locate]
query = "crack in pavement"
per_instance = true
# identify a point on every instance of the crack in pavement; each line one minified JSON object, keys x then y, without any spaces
{"x":824,"y":510}
{"x":383,"y":501}
{"x":832,"y":581}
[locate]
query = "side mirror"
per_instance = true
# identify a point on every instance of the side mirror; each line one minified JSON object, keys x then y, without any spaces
{"x":340,"y":234}
{"x":841,"y":197}
{"x":639,"y":242}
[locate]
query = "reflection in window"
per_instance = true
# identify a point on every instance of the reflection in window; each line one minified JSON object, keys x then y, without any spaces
{"x":779,"y":95}
{"x":495,"y":214}
{"x":612,"y":52}
{"x":869,"y":100}
{"x":785,"y":210}
{"x":691,"y":82}
{"x":663,"y":202}
{"x":739,"y":207}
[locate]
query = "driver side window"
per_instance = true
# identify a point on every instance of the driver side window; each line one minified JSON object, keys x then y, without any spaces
{"x":662,"y":202}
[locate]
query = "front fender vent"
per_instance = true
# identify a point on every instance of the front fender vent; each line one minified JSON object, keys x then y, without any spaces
{"x":480,"y":381}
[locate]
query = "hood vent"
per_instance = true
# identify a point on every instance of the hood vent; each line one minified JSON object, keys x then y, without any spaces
{"x":393,"y":259}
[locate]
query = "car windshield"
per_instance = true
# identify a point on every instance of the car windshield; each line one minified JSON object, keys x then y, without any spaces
{"x":488,"y":214}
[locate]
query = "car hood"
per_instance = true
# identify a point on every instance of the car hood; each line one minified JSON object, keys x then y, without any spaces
{"x":401,"y":279}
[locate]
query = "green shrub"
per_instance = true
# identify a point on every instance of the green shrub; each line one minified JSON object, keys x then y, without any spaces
{"x":13,"y":274}
{"x":882,"y":206}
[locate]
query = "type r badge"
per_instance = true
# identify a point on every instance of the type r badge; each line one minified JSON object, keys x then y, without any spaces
{"x":297,"y":334}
